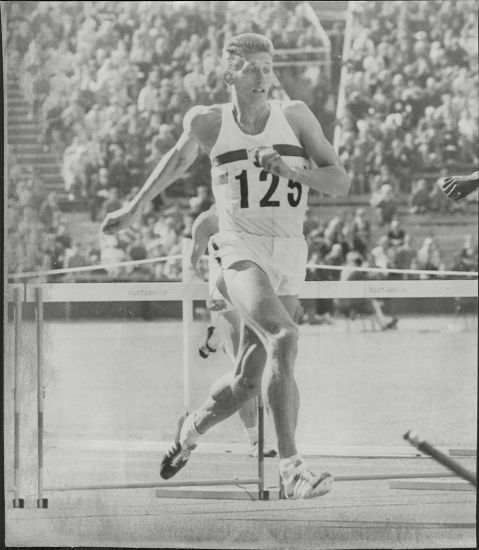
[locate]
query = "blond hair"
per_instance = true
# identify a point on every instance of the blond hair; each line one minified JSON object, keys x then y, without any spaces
{"x":240,"y":45}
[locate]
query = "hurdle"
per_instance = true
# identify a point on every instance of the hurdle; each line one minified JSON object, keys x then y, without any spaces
{"x":39,"y":294}
{"x":84,"y":292}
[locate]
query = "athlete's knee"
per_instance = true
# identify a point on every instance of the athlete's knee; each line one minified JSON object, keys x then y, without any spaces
{"x":247,"y":385}
{"x":284,"y":341}
{"x":234,"y":389}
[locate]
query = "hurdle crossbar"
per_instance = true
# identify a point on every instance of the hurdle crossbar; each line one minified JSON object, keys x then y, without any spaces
{"x":177,"y":291}
{"x":393,"y":475}
{"x":423,"y":485}
{"x":235,"y":493}
{"x":154,"y":484}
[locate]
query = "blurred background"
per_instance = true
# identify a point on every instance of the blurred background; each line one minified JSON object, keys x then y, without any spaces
{"x":96,"y":93}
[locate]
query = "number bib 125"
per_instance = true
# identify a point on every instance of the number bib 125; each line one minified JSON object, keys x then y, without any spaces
{"x":253,"y":189}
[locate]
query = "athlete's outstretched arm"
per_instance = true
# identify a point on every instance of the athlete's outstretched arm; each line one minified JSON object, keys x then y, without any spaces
{"x":329,"y":177}
{"x":171,"y":167}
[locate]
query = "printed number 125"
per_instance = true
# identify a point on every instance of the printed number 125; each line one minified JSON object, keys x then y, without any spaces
{"x":294,"y":196}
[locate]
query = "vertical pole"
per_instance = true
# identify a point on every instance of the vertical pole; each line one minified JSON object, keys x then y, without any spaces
{"x":41,"y":502}
{"x":260,"y":447}
{"x":282,"y":496}
{"x":187,"y":322}
{"x":17,"y":319}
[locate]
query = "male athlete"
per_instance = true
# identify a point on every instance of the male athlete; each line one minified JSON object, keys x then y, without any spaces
{"x":264,"y":157}
{"x":225,"y":329}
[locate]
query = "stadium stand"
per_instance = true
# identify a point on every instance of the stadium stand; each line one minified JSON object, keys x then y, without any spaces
{"x":97,"y":92}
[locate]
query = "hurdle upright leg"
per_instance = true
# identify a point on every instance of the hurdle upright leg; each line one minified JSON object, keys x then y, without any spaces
{"x":17,"y":319}
{"x":260,"y":447}
{"x":41,"y":502}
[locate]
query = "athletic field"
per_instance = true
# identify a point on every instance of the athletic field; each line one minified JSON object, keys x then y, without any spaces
{"x":114,"y":389}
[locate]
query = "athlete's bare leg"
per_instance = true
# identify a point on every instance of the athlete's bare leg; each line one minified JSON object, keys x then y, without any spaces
{"x":268,"y":336}
{"x":234,"y":390}
{"x":250,"y":291}
{"x":228,"y":327}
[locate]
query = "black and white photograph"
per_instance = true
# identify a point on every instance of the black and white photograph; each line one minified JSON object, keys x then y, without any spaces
{"x":240,"y":274}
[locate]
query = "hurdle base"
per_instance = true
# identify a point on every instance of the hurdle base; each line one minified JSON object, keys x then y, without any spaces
{"x":227,"y":494}
{"x":42,"y":502}
{"x":463,"y":452}
{"x":431,"y":485}
{"x":18,"y":503}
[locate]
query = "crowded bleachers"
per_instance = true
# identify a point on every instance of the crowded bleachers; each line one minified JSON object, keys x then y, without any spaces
{"x":112,"y":81}
{"x":411,"y":96}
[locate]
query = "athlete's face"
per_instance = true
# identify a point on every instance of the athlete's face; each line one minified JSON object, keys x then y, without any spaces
{"x":254,"y":78}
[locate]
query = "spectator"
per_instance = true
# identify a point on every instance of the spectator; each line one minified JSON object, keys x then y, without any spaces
{"x":317,"y":312}
{"x":118,"y":174}
{"x":467,"y":258}
{"x":420,"y":198}
{"x":62,"y":236}
{"x":111,"y":253}
{"x":404,"y":257}
{"x":384,"y":204}
{"x":396,"y":234}
{"x":361,"y":233}
{"x":47,"y":210}
{"x":381,"y":254}
{"x":429,"y":257}
{"x":354,"y":307}
{"x":148,"y":97}
{"x":335,"y":258}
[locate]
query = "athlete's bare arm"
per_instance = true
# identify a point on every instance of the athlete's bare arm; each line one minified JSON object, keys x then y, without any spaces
{"x":199,"y":126}
{"x":205,"y":225}
{"x":330,"y":177}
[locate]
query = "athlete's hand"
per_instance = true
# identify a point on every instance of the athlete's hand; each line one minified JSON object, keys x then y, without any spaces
{"x":458,"y":187}
{"x":118,"y":220}
{"x":271,"y":161}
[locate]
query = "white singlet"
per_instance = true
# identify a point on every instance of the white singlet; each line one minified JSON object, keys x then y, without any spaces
{"x":249,"y":199}
{"x":260,"y":215}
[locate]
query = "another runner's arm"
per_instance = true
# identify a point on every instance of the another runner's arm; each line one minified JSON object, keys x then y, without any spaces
{"x":206,"y":224}
{"x":329,"y":177}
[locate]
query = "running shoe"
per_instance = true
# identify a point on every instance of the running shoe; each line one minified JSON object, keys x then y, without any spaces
{"x":305,"y":484}
{"x":205,"y":349}
{"x":177,"y":456}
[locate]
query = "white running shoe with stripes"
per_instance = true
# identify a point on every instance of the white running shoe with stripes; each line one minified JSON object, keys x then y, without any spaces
{"x":301,"y":483}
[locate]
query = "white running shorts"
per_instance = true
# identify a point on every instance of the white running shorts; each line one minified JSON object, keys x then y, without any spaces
{"x":283,"y":259}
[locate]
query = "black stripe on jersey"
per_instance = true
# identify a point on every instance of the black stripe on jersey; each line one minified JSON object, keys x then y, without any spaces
{"x":284,"y":149}
{"x":230,"y":156}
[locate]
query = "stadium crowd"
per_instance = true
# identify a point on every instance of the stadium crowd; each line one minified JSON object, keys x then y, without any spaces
{"x":411,"y":94}
{"x":111,"y":82}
